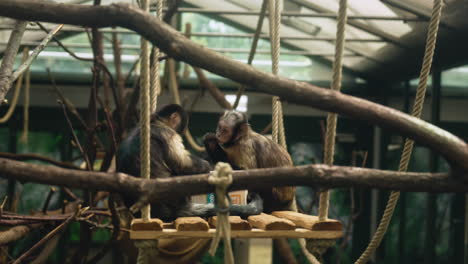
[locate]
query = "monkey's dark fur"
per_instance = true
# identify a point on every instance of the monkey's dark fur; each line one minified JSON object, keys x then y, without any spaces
{"x":170,"y":158}
{"x":246,"y":149}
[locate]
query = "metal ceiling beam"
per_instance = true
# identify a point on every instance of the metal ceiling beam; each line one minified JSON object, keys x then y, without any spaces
{"x":222,"y":50}
{"x":419,"y":12}
{"x":299,"y":14}
{"x":207,"y":34}
{"x":357,"y":24}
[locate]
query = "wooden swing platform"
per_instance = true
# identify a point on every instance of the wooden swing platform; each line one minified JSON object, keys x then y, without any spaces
{"x":280,"y":224}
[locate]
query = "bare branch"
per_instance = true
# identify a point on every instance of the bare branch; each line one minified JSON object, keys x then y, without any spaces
{"x":179,"y":47}
{"x":28,"y":156}
{"x":211,"y":87}
{"x":71,"y":53}
{"x":35,"y":52}
{"x":41,"y":242}
{"x":8,"y":61}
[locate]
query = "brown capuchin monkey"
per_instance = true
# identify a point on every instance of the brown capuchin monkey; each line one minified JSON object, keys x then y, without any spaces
{"x":236,"y":143}
{"x":170,"y":158}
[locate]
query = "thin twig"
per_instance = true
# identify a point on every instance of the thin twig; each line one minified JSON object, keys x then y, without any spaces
{"x":46,"y":238}
{"x":47,"y":201}
{"x":3,"y":205}
{"x":75,"y":137}
{"x":31,"y":156}
{"x":71,"y":53}
{"x":64,"y":100}
{"x":112,"y":137}
{"x":267,"y":128}
{"x":36,"y":52}
{"x":115,"y":232}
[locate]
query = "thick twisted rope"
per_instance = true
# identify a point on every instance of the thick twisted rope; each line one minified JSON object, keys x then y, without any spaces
{"x":253,"y":48}
{"x":155,"y":80}
{"x":222,"y":178}
{"x":408,"y":148}
{"x":145,"y":113}
{"x":275,"y":20}
{"x":329,"y":148}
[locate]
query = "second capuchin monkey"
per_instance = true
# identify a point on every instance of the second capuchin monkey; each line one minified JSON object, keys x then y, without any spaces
{"x":170,"y":158}
{"x":235,"y":142}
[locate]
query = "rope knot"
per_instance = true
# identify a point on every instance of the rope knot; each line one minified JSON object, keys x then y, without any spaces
{"x":221,"y":177}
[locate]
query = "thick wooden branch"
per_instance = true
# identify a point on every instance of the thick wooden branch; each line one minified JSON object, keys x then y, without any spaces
{"x":157,"y":189}
{"x":179,"y":47}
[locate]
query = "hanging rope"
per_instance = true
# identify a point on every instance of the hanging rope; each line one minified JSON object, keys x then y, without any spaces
{"x":27,"y":86}
{"x":155,"y":80}
{"x":174,"y":88}
{"x":253,"y":48}
{"x":145,"y":113}
{"x":146,"y":248}
{"x":222,"y":178}
{"x":14,"y":100}
{"x":274,"y":14}
{"x":329,"y":148}
{"x":408,"y":148}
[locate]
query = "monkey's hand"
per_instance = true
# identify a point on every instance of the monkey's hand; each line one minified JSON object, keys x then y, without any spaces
{"x":214,"y":150}
{"x":210,"y":141}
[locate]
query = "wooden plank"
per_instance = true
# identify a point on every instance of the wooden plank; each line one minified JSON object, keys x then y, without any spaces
{"x":191,"y":224}
{"x":269,"y":222}
{"x":236,"y":222}
{"x":153,"y":224}
{"x":309,"y":221}
{"x":168,"y":225}
{"x":254,"y":233}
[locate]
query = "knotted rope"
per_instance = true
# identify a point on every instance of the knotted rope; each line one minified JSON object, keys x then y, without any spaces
{"x":408,"y":148}
{"x":221,"y":177}
{"x":329,"y":148}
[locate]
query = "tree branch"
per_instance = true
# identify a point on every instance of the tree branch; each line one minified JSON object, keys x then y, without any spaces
{"x":157,"y":189}
{"x":30,"y":156}
{"x":35,"y":52}
{"x":179,"y":47}
{"x":211,"y":87}
{"x":8,"y":61}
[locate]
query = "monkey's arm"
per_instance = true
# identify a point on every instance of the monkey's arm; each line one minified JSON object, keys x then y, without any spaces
{"x":178,"y":159}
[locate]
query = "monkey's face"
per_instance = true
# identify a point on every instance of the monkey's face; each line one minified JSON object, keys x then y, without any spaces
{"x":224,"y":132}
{"x":174,"y":121}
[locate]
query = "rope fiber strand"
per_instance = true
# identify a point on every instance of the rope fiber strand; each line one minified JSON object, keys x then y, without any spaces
{"x":408,"y":148}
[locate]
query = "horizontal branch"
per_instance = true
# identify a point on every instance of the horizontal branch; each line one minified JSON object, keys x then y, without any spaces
{"x":32,"y":156}
{"x":157,"y":189}
{"x":179,"y":47}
